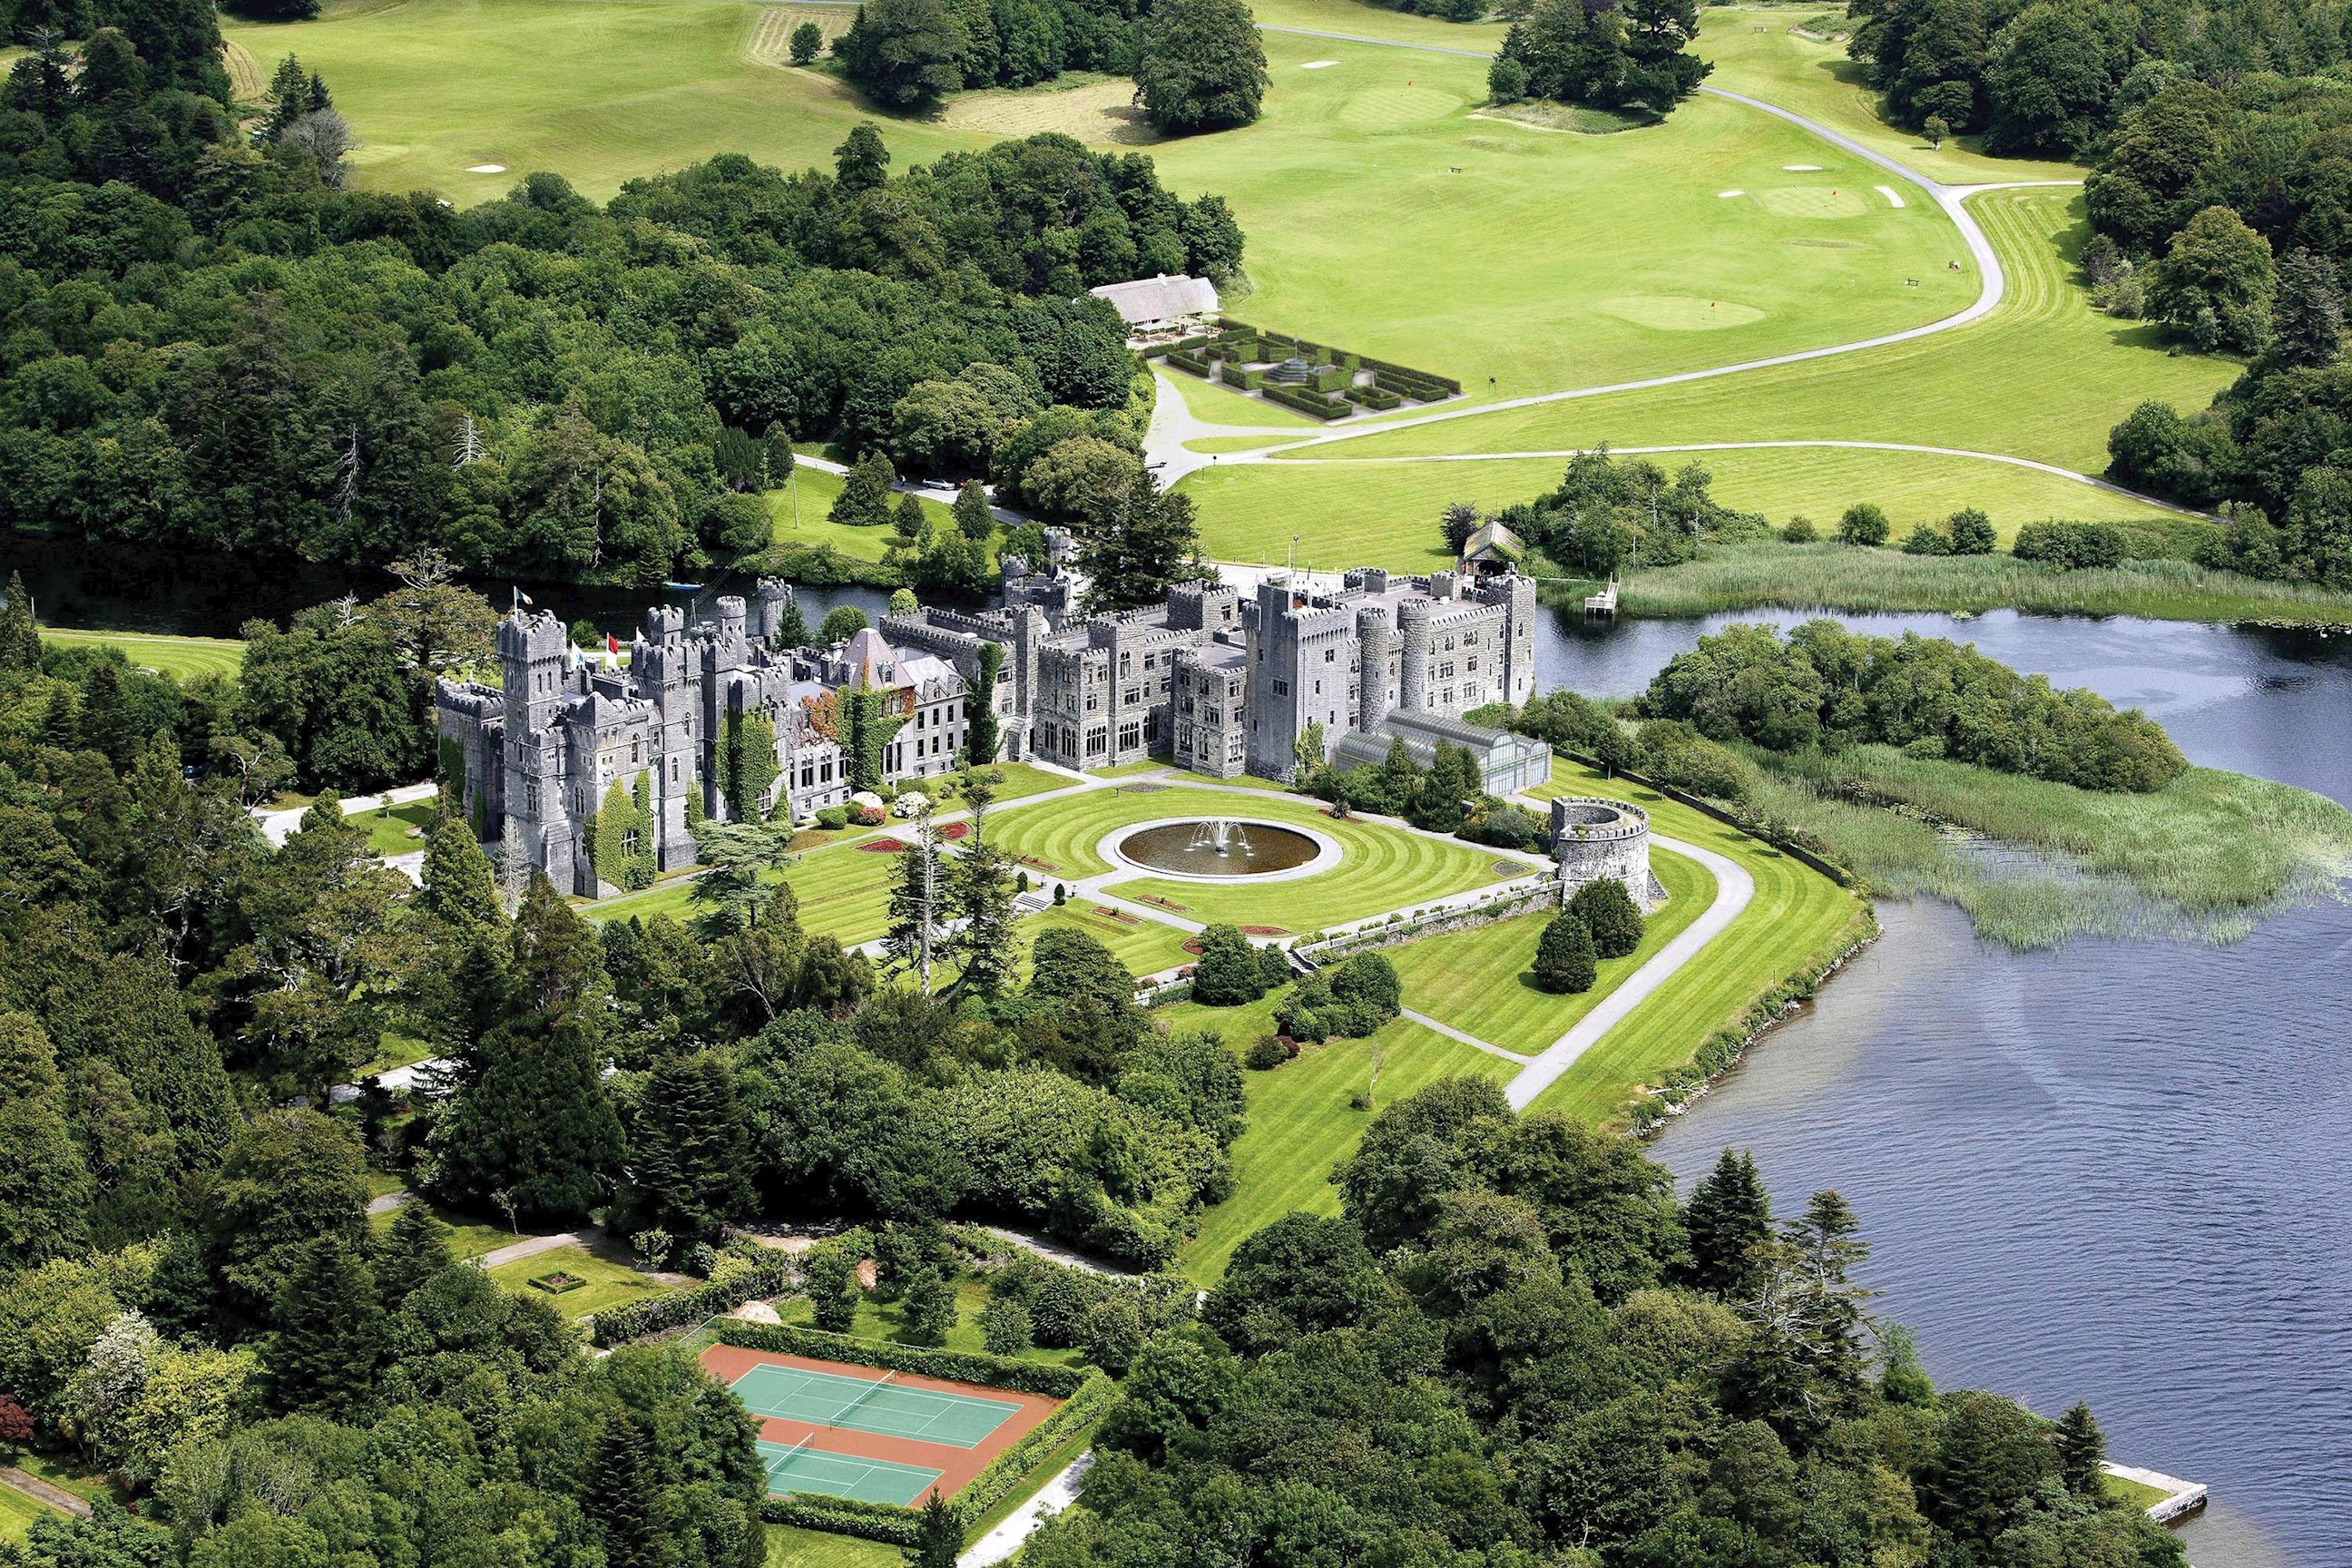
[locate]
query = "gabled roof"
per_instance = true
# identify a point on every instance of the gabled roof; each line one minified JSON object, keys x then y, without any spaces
{"x":1160,"y":299}
{"x":1493,"y":541}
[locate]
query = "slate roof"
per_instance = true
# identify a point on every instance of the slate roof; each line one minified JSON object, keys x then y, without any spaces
{"x":1160,"y":299}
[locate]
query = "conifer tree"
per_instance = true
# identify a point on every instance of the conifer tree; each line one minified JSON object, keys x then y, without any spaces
{"x":980,"y":896}
{"x":1728,"y":1216}
{"x":830,"y":1277}
{"x":909,"y":520}
{"x":938,"y":1538}
{"x":415,"y":1249}
{"x":776,"y":445}
{"x":972,"y":518}
{"x":919,"y":905}
{"x":44,"y":1187}
{"x":327,"y":1333}
{"x":2082,"y":1452}
{"x":1564,"y":961}
{"x":619,"y":1497}
{"x":457,"y":884}
{"x":20,"y":635}
{"x":794,"y":631}
{"x":1608,"y":912}
{"x":864,"y":499}
{"x":689,"y":1153}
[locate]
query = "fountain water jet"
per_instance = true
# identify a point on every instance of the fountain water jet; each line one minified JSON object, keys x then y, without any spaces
{"x":1221,"y":834}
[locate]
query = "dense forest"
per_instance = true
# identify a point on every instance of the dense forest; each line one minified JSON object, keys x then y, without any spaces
{"x":210,"y":344}
{"x":1513,"y":1349}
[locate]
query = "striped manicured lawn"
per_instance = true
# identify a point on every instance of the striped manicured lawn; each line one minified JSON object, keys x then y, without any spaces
{"x":1796,"y":913}
{"x":1383,"y":869}
{"x":183,"y":657}
{"x":1479,"y":979}
{"x":1301,"y":1122}
{"x":1146,"y":947}
{"x":843,"y":892}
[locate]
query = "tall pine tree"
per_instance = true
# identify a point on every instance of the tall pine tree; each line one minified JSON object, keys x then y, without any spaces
{"x":689,"y":1152}
{"x":327,"y":1332}
{"x":2082,"y":1452}
{"x":1729,"y":1216}
{"x":414,"y":1251}
{"x":619,"y":1499}
{"x":44,"y":1187}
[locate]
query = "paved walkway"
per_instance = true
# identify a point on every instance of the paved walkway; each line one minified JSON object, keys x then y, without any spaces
{"x":1734,"y":888}
{"x":587,"y":1236}
{"x":32,"y":1487}
{"x":1004,"y":1540}
{"x":276,"y":825}
{"x":1451,"y":1033}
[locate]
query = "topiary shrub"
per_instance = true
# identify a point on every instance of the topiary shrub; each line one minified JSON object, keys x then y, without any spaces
{"x":1611,"y":917}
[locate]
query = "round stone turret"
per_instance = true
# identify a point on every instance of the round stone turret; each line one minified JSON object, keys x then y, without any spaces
{"x":1372,"y":668}
{"x":1412,"y":676}
{"x":1593,"y":838}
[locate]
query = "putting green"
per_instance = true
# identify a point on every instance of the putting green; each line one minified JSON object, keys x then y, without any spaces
{"x":1814,"y":201}
{"x":1680,"y":313}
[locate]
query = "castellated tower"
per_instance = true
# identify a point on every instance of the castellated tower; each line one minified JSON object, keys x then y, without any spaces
{"x":775,"y":601}
{"x":531,"y":657}
{"x":662,"y":670}
{"x":1519,"y":662}
{"x":1413,"y":675}
{"x":1372,"y":668}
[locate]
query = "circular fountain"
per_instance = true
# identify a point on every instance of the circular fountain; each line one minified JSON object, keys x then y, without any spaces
{"x":1221,"y":848}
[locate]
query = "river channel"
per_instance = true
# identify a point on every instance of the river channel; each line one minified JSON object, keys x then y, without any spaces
{"x":2119,"y":1172}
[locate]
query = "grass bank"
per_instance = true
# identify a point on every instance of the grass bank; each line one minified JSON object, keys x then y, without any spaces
{"x":185,"y":657}
{"x":1836,"y":576}
{"x":2034,"y":863}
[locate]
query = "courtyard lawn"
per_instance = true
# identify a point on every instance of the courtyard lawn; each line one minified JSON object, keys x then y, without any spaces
{"x":185,"y":657}
{"x":2043,"y":376}
{"x":1479,"y":982}
{"x":1383,"y":867}
{"x":1795,"y":916}
{"x":396,"y":829}
{"x":1386,"y":513}
{"x":1222,"y":405}
{"x":1301,"y":1122}
{"x":608,"y":1284}
{"x":843,"y":891}
{"x":1022,"y":780}
{"x":791,"y":1547}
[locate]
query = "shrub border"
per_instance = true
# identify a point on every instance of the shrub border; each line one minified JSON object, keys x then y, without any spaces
{"x":636,"y":1320}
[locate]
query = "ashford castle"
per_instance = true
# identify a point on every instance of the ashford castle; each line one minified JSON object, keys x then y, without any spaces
{"x":1212,"y":679}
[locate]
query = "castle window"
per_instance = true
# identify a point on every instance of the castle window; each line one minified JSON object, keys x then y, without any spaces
{"x":1329,"y":655}
{"x":636,"y":750}
{"x":1318,"y":689}
{"x":1445,"y":671}
{"x":1130,"y":737}
{"x":629,"y":842}
{"x":1282,"y":689}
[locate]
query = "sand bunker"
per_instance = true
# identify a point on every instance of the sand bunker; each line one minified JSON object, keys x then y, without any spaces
{"x":1318,"y":65}
{"x":486,"y":168}
{"x":1731,"y":193}
{"x":1801,"y":168}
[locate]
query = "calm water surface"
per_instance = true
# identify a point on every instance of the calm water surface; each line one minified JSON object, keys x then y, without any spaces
{"x":2119,"y":1172}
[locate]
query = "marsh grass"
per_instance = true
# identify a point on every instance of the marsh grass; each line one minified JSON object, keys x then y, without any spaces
{"x":2208,"y":858}
{"x":1839,"y":577}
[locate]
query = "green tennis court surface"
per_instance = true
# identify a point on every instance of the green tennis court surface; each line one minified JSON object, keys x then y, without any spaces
{"x":877,"y":1405}
{"x":842,"y":1475}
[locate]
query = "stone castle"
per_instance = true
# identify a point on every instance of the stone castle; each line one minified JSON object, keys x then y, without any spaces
{"x":1212,"y":679}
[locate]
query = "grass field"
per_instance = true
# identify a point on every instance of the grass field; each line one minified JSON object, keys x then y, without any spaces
{"x":1487,"y":259}
{"x":791,"y":1547}
{"x":1383,"y":867}
{"x":1146,"y":948}
{"x":18,"y":1512}
{"x":1479,"y":979}
{"x":182,"y":657}
{"x":813,"y":491}
{"x":2139,"y":1494}
{"x":843,"y":893}
{"x":1301,"y":1120}
{"x":609,"y":1284}
{"x":1794,"y":915}
{"x":1756,"y":52}
{"x":2085,"y":371}
{"x":1386,"y":513}
{"x":396,"y":829}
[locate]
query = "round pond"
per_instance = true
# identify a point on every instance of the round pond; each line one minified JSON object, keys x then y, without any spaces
{"x":1218,"y":847}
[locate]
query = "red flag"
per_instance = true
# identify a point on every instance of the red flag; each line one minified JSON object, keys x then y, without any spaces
{"x":612,"y":643}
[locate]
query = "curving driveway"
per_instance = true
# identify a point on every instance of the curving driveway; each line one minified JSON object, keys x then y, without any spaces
{"x":1734,"y":888}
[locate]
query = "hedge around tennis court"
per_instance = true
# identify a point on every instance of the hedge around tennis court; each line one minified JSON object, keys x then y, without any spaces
{"x":956,"y":1366}
{"x":635,"y":1320}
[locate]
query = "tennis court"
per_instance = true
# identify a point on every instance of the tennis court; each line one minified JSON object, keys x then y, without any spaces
{"x":880,"y":1405}
{"x":840,"y":1429}
{"x":800,"y":1468}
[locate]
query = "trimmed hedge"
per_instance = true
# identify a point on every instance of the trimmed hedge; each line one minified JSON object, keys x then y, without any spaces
{"x":1448,"y":383}
{"x":882,"y":1521}
{"x":1305,"y":402}
{"x":1190,"y":365}
{"x":1419,"y":388}
{"x":1009,"y":1469}
{"x":1330,"y":378}
{"x":638,"y":1318}
{"x":1374,"y":397}
{"x":956,"y":1367}
{"x":1247,"y":380}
